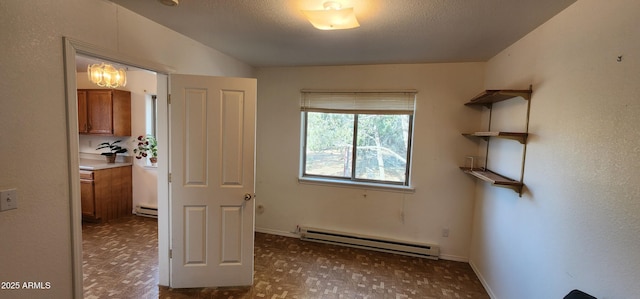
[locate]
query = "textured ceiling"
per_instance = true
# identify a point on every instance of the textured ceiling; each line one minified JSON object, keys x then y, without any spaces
{"x":275,"y":32}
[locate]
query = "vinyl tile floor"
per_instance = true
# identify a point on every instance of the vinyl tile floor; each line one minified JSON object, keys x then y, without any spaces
{"x":120,"y":261}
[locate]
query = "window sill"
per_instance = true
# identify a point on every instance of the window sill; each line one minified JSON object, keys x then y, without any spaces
{"x":358,"y":185}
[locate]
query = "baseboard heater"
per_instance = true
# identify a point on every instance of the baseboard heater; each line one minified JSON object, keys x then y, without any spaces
{"x":369,"y":242}
{"x":147,"y":211}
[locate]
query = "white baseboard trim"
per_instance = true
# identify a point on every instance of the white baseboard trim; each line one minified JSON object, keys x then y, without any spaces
{"x":482,"y":280}
{"x":454,"y":258}
{"x":447,"y":257}
{"x":276,"y":232}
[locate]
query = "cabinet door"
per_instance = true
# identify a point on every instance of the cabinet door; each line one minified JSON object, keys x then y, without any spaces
{"x":102,"y":194}
{"x":83,"y":125}
{"x":121,"y":191}
{"x":121,"y":113}
{"x":100,"y":111}
{"x":87,"y":199}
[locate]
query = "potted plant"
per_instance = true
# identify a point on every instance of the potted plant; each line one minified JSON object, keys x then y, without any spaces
{"x":114,"y":149}
{"x":147,"y":147}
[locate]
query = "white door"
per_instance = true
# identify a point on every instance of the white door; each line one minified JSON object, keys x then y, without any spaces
{"x":212,"y":145}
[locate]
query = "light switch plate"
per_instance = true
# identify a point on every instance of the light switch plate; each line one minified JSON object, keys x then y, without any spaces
{"x":8,"y":199}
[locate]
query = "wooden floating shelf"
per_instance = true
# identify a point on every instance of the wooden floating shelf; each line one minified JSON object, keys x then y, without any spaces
{"x":494,"y":178}
{"x":489,"y":97}
{"x":520,"y":137}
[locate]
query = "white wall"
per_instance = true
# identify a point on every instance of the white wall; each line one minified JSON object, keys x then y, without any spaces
{"x":578,"y":223}
{"x":443,"y":196}
{"x":145,"y":178}
{"x":35,"y":239}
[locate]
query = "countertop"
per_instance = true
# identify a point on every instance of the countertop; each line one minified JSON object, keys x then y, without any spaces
{"x":90,"y":164}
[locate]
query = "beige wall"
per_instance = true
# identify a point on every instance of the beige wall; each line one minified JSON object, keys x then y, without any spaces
{"x":578,"y":223}
{"x":575,"y":227}
{"x":35,"y":242}
{"x":443,"y":196}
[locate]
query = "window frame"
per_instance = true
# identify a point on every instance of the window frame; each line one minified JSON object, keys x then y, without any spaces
{"x":353,"y":179}
{"x":153,"y":113}
{"x":151,"y":123}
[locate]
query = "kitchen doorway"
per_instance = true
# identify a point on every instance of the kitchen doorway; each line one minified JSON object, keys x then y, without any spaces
{"x":74,"y":80}
{"x":134,"y":189}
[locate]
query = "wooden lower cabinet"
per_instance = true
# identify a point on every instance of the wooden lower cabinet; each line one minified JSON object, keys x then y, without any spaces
{"x":88,"y":200}
{"x":106,"y":193}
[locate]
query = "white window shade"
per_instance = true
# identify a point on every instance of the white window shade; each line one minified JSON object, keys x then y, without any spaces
{"x":362,"y":102}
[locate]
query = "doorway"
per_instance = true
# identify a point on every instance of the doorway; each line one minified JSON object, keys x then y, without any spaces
{"x":122,"y":242}
{"x":218,"y":154}
{"x":75,"y":48}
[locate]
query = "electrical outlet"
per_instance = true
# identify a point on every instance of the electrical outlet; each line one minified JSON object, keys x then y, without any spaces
{"x":8,"y":199}
{"x":445,"y":232}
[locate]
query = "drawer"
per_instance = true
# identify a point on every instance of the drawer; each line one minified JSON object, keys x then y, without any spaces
{"x":86,"y":175}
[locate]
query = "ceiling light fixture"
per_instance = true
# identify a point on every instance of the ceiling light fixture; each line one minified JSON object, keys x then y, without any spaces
{"x":106,"y":75}
{"x":332,"y":17}
{"x":170,"y":2}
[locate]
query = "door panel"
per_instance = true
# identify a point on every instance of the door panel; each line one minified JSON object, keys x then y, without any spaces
{"x":212,"y":168}
{"x":195,"y":224}
{"x":195,"y":134}
{"x":231,"y":231}
{"x":232,"y":121}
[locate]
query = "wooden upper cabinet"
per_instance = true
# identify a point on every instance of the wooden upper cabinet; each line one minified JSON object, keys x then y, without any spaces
{"x":108,"y":112}
{"x":121,"y":113}
{"x":100,"y":112}
{"x":83,"y":122}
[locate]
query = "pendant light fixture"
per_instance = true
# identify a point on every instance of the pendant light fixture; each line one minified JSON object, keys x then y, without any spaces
{"x":106,"y":75}
{"x":332,"y":17}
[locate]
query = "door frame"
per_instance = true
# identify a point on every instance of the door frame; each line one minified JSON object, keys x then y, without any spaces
{"x":71,"y":48}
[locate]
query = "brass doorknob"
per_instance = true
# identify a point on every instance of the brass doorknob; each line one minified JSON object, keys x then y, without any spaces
{"x":247,"y":197}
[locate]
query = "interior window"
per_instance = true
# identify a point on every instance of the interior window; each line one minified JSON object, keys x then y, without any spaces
{"x":151,"y":109}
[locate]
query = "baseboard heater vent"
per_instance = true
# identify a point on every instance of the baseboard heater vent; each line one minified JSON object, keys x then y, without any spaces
{"x":147,"y":211}
{"x":368,"y":242}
